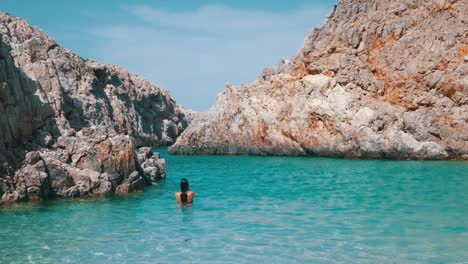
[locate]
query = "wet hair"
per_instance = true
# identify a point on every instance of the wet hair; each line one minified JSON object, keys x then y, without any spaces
{"x":184,"y":187}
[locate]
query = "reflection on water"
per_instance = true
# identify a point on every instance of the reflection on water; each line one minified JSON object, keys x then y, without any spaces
{"x":257,"y":210}
{"x":184,"y":208}
{"x":186,"y":211}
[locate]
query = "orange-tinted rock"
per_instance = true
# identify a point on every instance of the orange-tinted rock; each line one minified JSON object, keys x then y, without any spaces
{"x":69,"y":126}
{"x":372,"y":82}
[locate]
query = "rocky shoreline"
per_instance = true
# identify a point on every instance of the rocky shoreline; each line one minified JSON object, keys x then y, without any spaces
{"x":70,"y":126}
{"x":381,"y":79}
{"x":89,"y":163}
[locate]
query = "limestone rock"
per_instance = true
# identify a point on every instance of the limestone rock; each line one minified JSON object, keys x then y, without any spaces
{"x":83,"y":167}
{"x":69,"y":126}
{"x":381,"y":79}
{"x":144,"y":153}
{"x":153,"y":167}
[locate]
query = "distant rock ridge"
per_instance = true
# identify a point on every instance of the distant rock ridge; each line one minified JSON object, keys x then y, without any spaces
{"x":381,"y":79}
{"x":69,"y":126}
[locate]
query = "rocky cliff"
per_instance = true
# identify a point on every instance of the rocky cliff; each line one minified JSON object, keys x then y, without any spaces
{"x":69,"y":126}
{"x":381,"y":79}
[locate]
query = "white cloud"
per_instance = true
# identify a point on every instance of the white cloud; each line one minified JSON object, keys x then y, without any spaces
{"x":194,"y":53}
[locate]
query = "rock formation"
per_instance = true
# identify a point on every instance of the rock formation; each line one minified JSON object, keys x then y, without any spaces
{"x":381,"y":79}
{"x":69,"y":126}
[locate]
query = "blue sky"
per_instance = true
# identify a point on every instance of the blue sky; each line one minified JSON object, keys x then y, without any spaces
{"x":192,"y":48}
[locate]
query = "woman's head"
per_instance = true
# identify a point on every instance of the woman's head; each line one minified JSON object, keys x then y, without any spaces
{"x":184,"y":185}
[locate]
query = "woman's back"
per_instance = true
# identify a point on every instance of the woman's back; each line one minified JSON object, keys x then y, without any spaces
{"x":184,"y":197}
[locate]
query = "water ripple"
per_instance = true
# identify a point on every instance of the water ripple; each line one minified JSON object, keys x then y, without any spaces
{"x":258,"y":210}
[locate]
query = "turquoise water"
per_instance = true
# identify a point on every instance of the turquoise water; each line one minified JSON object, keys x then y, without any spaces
{"x":258,"y":210}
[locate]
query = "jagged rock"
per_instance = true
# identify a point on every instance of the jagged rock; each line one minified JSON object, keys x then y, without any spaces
{"x":381,"y":79}
{"x":153,"y":167}
{"x":83,"y":167}
{"x":144,"y":153}
{"x":134,"y":183}
{"x":69,"y":126}
{"x":80,"y":92}
{"x":32,"y":181}
{"x":189,"y":114}
{"x":94,"y":162}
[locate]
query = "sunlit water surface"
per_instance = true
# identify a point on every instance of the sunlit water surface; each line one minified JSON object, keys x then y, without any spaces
{"x":258,"y":210}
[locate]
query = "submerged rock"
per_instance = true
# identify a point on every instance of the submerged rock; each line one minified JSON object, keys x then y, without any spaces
{"x":381,"y":79}
{"x":69,"y":126}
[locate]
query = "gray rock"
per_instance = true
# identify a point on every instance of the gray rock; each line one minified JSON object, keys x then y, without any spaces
{"x":154,"y":168}
{"x":134,"y":176}
{"x":144,"y":153}
{"x":370,"y":83}
{"x":69,"y":126}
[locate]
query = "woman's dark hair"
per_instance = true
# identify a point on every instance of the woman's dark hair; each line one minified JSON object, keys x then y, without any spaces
{"x":184,"y":185}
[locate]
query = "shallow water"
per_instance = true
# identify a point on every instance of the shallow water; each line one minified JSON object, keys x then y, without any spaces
{"x":258,"y":210}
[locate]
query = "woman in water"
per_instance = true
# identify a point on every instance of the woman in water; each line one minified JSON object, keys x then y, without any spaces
{"x":185,"y":195}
